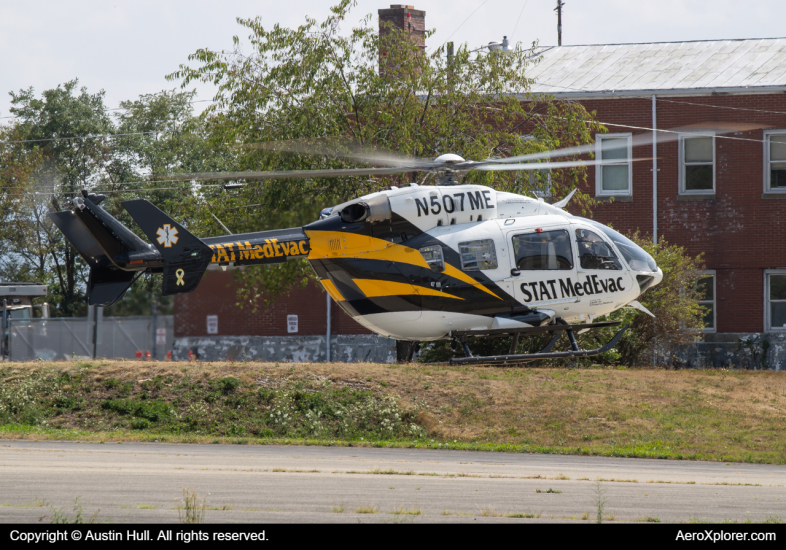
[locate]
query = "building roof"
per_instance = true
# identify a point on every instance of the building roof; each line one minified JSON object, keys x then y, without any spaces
{"x":706,"y":66}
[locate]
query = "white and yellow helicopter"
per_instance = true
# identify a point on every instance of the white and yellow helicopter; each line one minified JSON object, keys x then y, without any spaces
{"x":417,"y":263}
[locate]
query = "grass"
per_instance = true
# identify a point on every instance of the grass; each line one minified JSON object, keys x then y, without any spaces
{"x":549,"y":490}
{"x":191,"y":509}
{"x":724,"y":415}
{"x":402,"y":511}
{"x":367,"y":509}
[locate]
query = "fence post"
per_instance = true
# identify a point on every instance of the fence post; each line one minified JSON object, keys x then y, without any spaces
{"x":153,"y":312}
{"x":3,"y":325}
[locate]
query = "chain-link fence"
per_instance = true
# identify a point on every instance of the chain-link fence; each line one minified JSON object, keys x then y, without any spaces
{"x":109,"y":337}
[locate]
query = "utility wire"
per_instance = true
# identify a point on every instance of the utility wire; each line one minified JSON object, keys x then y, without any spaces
{"x":122,"y":108}
{"x":462,"y":24}
{"x":519,"y":19}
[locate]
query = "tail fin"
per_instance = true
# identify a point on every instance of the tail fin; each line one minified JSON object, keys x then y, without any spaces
{"x":107,"y":283}
{"x":185,"y":256}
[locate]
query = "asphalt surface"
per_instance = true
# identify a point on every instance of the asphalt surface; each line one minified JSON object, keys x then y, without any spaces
{"x":135,"y":482}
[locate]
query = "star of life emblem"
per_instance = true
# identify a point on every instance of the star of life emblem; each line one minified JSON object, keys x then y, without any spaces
{"x":167,"y":235}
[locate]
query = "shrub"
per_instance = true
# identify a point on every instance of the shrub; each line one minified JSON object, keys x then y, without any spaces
{"x":674,"y":302}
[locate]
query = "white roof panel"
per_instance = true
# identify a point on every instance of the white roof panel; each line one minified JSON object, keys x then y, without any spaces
{"x":662,"y":67}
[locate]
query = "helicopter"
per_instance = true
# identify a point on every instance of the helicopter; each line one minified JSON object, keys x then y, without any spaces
{"x":417,"y":263}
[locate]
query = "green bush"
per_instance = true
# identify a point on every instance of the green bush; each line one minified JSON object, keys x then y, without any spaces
{"x":674,"y":302}
{"x":226,"y":385}
{"x":153,"y":411}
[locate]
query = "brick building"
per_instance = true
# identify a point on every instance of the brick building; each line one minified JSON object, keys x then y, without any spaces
{"x":210,"y":324}
{"x":717,"y":186}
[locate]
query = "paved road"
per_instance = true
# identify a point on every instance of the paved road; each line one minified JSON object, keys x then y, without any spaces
{"x":132,"y":482}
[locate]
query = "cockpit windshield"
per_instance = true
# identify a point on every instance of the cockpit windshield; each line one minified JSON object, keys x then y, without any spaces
{"x":637,"y":258}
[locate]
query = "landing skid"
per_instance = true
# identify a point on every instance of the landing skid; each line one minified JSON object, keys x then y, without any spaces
{"x":545,"y":353}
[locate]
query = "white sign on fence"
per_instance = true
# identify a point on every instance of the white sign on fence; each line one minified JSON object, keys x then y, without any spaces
{"x":160,"y":336}
{"x":291,"y":323}
{"x":212,"y":324}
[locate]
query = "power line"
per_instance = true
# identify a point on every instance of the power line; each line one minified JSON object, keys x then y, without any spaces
{"x":97,"y":136}
{"x":462,"y":24}
{"x":519,"y":19}
{"x":123,"y":108}
{"x":722,"y":106}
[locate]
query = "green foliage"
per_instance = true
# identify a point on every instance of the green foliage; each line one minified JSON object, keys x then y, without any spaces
{"x":678,"y":316}
{"x":226,"y":385}
{"x":674,"y":302}
{"x":152,"y":411}
{"x":302,"y":98}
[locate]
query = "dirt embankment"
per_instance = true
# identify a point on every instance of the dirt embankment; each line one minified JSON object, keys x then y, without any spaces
{"x":719,"y":414}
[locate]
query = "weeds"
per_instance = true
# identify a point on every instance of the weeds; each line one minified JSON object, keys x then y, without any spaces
{"x":402,"y":511}
{"x":600,"y":501}
{"x":59,"y":516}
{"x":549,"y":490}
{"x":191,"y":508}
{"x":367,"y":509}
{"x":339,"y":509}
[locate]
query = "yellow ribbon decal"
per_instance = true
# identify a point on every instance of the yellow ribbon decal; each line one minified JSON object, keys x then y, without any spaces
{"x":180,"y":274}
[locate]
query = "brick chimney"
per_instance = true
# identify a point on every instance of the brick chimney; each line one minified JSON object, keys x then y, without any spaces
{"x":406,"y":18}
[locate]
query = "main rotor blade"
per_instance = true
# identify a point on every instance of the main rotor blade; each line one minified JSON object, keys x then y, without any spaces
{"x":549,"y":165}
{"x":665,"y":135}
{"x":340,"y":148}
{"x":283,"y":174}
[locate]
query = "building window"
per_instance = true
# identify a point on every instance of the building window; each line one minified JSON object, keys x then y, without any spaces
{"x":477,"y":255}
{"x":614,"y":175}
{"x":697,"y":165}
{"x":775,"y":299}
{"x":705,"y":290}
{"x":544,"y":250}
{"x":775,"y":161}
{"x":540,"y":183}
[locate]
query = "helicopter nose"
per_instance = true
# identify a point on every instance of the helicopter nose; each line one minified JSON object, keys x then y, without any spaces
{"x":658,"y":277}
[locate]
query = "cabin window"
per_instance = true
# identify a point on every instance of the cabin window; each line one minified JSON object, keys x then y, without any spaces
{"x":434,"y":258}
{"x":775,"y":161}
{"x":594,"y":252}
{"x":544,"y":250}
{"x":705,"y":288}
{"x":477,"y":255}
{"x":613,"y":175}
{"x":697,"y":171}
{"x":775,"y":299}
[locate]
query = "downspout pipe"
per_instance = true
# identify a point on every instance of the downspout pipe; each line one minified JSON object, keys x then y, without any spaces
{"x":654,"y":170}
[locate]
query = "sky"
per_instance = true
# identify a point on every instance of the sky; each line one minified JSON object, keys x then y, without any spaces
{"x":126,"y":48}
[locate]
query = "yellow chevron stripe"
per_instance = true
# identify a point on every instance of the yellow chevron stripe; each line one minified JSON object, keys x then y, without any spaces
{"x":332,"y":290}
{"x":374,"y":288}
{"x":336,"y":244}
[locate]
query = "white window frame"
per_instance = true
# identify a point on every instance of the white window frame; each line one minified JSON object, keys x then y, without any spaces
{"x":766,"y":166}
{"x":599,"y":192}
{"x":682,"y":190}
{"x":531,"y":178}
{"x":711,"y":273}
{"x":767,"y":320}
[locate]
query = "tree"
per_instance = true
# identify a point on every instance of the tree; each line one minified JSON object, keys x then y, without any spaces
{"x":315,"y":90}
{"x":64,"y":142}
{"x":65,"y":131}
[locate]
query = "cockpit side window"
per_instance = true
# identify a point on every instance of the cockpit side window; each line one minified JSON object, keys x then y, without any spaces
{"x":594,"y":252}
{"x":544,"y":250}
